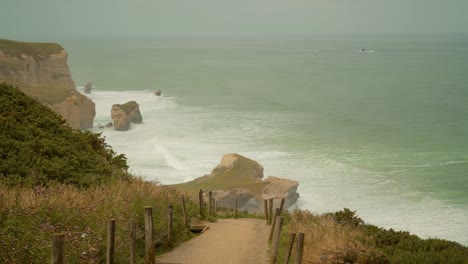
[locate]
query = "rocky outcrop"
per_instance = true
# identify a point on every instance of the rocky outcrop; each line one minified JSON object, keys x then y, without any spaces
{"x":40,"y":70}
{"x":124,"y":114}
{"x":242,"y":178}
{"x":120,"y":119}
{"x":88,"y":87}
{"x":230,"y":161}
{"x":77,"y":109}
{"x":284,"y":188}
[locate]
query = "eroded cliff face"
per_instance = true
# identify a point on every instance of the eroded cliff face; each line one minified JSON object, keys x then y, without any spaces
{"x":40,"y":70}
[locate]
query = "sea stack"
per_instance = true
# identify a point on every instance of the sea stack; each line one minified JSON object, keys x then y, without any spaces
{"x":88,"y":87}
{"x":124,"y":114}
{"x":237,"y":177}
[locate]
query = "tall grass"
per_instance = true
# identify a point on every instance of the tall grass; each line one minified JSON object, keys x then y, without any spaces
{"x":342,"y":237}
{"x":30,"y":216}
{"x":328,"y":241}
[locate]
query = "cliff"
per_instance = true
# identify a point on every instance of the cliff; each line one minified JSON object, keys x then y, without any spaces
{"x":242,"y":178}
{"x":40,"y":70}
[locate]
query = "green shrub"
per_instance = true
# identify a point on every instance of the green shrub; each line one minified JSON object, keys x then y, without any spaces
{"x":346,"y":217}
{"x":36,"y":146}
{"x":402,"y":247}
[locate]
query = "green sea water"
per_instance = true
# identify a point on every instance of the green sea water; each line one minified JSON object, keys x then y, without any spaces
{"x":378,"y":124}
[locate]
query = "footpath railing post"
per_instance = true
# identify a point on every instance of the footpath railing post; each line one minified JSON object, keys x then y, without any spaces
{"x":210,"y":205}
{"x":270,"y":210}
{"x":149,"y":245}
{"x":292,"y":236}
{"x":184,"y":211}
{"x":272,"y":229}
{"x":133,"y":235}
{"x":299,"y":248}
{"x":265,"y":209}
{"x":276,"y":240}
{"x":235,"y":208}
{"x":169,"y":223}
{"x":200,"y":201}
{"x":110,"y":241}
{"x":215,"y":207}
{"x":58,"y":246}
{"x":281,"y":206}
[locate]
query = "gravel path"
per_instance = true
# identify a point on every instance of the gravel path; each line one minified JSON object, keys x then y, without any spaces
{"x":228,"y":241}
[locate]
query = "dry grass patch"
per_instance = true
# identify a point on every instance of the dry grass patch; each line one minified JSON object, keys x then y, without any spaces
{"x":328,"y":241}
{"x":30,"y":216}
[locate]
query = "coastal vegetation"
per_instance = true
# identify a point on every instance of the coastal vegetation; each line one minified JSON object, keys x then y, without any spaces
{"x":36,"y":148}
{"x":54,"y":179}
{"x":30,"y":216}
{"x":343,"y":237}
{"x":37,"y":50}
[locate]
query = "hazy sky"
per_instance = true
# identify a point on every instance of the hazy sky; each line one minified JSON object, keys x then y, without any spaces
{"x":23,"y":18}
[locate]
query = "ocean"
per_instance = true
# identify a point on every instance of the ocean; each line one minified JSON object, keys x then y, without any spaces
{"x":377,"y":124}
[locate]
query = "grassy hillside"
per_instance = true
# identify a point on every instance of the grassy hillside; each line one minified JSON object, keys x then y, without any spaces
{"x":54,"y":179}
{"x":30,"y":216}
{"x":36,"y":148}
{"x":237,"y":177}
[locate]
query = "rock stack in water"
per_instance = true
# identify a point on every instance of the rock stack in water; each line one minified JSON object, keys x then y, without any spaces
{"x":242,"y":178}
{"x":125,"y":114}
{"x":88,"y":87}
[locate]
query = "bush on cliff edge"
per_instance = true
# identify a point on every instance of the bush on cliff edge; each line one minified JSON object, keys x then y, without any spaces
{"x":36,"y":147}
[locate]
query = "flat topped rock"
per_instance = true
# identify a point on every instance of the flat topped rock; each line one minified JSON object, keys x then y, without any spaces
{"x":238,"y":164}
{"x":238,"y":177}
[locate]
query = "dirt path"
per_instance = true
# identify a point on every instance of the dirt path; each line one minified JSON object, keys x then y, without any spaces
{"x":229,"y":241}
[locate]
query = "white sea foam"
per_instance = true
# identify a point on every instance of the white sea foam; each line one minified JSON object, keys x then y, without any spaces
{"x":171,"y":159}
{"x":178,"y":143}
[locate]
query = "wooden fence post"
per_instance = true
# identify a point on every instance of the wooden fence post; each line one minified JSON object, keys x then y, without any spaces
{"x":292,"y":236}
{"x":210,"y":206}
{"x":281,"y":205}
{"x":110,"y":241}
{"x":169,"y":223}
{"x":265,"y":209}
{"x":272,"y":229}
{"x":58,"y":246}
{"x":200,"y":201}
{"x":235,"y":208}
{"x":184,"y":211}
{"x":215,"y":207}
{"x":270,"y":210}
{"x":149,"y":245}
{"x":299,"y":248}
{"x":276,"y":240}
{"x":133,"y":234}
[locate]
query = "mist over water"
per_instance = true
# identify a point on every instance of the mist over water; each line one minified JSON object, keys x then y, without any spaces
{"x":381,"y":130}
